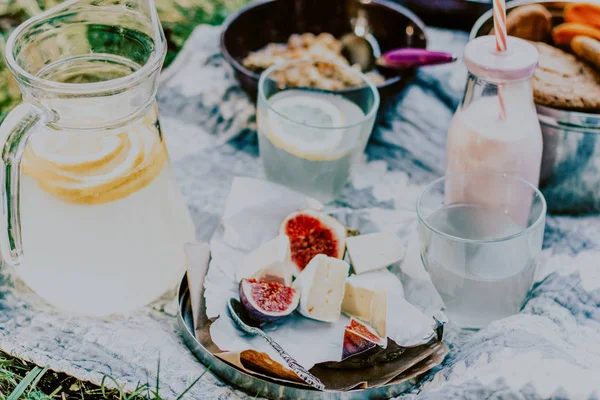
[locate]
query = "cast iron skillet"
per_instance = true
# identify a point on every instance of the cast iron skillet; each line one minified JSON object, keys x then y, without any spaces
{"x":268,"y":21}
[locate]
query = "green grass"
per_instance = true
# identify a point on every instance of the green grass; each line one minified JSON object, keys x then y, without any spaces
{"x":20,"y":380}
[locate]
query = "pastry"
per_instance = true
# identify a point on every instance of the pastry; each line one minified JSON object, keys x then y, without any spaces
{"x":562,"y":81}
{"x":585,"y":13}
{"x":531,"y":22}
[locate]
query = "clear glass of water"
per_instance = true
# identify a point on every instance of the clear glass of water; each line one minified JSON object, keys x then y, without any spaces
{"x":481,"y":252}
{"x":309,"y":137}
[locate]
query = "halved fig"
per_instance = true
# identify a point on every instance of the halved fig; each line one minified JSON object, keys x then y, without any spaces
{"x":359,"y":337}
{"x":268,"y":301}
{"x":312,"y":232}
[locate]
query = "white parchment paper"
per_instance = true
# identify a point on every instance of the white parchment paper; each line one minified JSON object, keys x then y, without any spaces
{"x":252,"y":215}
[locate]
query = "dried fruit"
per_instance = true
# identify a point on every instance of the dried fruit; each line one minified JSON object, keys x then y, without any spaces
{"x":268,"y":301}
{"x":584,"y":13}
{"x":312,"y":232}
{"x":587,"y":48}
{"x":359,"y":337}
{"x":564,"y":33}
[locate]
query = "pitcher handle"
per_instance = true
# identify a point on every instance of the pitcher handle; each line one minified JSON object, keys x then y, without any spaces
{"x":15,"y":132}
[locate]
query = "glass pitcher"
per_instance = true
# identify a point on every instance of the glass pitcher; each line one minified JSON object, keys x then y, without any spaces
{"x":95,"y":223}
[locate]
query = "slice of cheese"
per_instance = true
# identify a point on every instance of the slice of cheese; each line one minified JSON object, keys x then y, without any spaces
{"x":374,"y":251}
{"x":395,"y":318}
{"x":322,"y":284}
{"x":270,"y":262}
{"x":361,"y":288}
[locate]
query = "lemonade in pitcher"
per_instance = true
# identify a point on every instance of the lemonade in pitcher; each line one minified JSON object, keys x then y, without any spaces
{"x":101,"y":214}
{"x":94,"y":220}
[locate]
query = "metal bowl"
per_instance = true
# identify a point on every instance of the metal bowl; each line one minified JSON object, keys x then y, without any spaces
{"x":273,"y":21}
{"x":570,"y":176}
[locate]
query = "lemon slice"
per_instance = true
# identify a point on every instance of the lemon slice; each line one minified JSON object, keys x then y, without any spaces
{"x":100,"y":180}
{"x":76,"y":151}
{"x":96,"y":168}
{"x":287,"y":126}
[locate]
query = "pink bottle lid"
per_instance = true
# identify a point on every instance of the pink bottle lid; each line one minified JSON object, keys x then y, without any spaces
{"x":484,"y":61}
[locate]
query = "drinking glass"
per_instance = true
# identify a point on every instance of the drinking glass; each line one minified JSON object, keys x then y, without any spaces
{"x":481,"y":255}
{"x":309,"y":137}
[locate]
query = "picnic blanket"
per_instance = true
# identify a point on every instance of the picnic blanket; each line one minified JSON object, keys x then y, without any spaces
{"x":550,"y":349}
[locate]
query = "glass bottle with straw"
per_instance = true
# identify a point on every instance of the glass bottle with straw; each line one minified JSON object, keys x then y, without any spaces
{"x":495,"y":127}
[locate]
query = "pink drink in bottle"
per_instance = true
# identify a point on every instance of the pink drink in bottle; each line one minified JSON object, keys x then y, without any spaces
{"x":496,"y":127}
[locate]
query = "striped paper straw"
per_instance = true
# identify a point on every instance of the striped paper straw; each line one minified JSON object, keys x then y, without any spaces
{"x":500,"y":32}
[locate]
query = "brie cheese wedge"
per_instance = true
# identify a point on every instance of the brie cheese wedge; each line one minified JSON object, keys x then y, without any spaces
{"x":374,"y":251}
{"x":271,"y":262}
{"x":395,"y":318}
{"x":361,"y":288}
{"x":321,"y":285}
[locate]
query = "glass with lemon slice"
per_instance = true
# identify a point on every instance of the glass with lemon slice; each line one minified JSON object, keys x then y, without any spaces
{"x":308,"y":137}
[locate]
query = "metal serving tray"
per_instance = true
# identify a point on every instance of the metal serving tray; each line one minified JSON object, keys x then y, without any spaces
{"x":256,"y":386}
